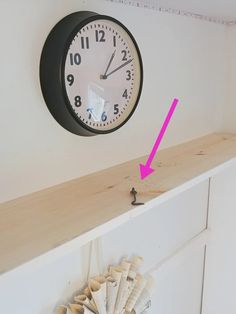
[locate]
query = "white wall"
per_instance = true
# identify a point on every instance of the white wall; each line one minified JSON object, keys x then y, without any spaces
{"x":182,"y":58}
{"x":230,"y":108}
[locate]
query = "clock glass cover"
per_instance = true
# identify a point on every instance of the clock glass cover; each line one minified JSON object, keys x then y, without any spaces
{"x":102,"y":75}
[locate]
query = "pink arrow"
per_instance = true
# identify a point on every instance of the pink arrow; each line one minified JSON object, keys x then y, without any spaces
{"x":146,"y":170}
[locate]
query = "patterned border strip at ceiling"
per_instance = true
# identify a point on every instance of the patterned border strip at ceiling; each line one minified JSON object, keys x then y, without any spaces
{"x":152,"y":4}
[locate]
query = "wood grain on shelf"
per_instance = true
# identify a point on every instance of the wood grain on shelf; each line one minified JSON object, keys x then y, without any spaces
{"x":35,"y":224}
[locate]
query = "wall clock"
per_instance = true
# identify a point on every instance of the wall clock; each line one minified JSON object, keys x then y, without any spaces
{"x":91,"y":73}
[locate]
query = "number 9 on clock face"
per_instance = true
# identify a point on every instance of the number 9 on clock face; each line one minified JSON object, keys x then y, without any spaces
{"x":101,"y":71}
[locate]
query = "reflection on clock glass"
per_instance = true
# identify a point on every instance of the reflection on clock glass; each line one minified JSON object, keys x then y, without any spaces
{"x":102,"y":75}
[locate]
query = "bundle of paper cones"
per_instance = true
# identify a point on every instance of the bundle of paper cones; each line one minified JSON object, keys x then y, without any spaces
{"x":122,"y":290}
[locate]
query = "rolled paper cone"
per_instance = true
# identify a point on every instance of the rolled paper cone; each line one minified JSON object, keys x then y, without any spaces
{"x":80,"y":309}
{"x":103,"y":282}
{"x":145,"y":297}
{"x":134,"y":267}
{"x":116,"y":273}
{"x":87,"y":292}
{"x":97,"y":294}
{"x":126,"y":291}
{"x":135,"y":294}
{"x":84,"y":300}
{"x":136,"y":263}
{"x":145,"y":308}
{"x":137,"y":260}
{"x":93,"y":305}
{"x":76,"y":308}
{"x":87,"y":310}
{"x":125,"y":265}
{"x":61,"y":310}
{"x":106,"y":274}
{"x":112,"y":288}
{"x":81,"y":299}
{"x":130,"y":284}
{"x":133,"y":271}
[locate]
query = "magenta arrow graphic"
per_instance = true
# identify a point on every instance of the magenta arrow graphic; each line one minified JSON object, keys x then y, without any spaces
{"x":146,"y":170}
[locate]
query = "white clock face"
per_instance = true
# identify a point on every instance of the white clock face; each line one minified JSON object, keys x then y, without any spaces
{"x":102,"y":75}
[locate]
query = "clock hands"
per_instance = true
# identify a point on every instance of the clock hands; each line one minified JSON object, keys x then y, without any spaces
{"x":120,"y":67}
{"x":105,"y":76}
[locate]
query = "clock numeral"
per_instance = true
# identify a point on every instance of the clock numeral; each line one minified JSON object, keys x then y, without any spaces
{"x":78,"y":101}
{"x":125,"y":94}
{"x":114,"y":41}
{"x":124,"y":52}
{"x":75,"y":59}
{"x":128,"y":75}
{"x":70,"y":79}
{"x":85,"y":43}
{"x":100,"y":36}
{"x":104,"y":116}
{"x":116,"y":108}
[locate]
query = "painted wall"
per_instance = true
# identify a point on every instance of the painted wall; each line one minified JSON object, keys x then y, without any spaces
{"x":230,"y":108}
{"x":182,"y":58}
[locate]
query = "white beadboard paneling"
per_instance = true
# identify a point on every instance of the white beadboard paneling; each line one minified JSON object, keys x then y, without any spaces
{"x":38,"y":292}
{"x":54,"y":283}
{"x":179,"y":289}
{"x":221,"y":254}
{"x":153,"y":235}
{"x":160,"y":231}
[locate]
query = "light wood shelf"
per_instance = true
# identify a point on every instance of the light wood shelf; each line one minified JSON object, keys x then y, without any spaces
{"x":40,"y":222}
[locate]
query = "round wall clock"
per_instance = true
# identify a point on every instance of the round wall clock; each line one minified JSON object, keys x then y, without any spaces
{"x":91,"y":73}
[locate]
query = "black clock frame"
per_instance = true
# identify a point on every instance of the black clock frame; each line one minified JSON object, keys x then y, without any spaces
{"x":52,"y":65}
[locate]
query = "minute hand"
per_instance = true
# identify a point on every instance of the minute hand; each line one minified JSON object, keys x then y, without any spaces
{"x":120,"y":67}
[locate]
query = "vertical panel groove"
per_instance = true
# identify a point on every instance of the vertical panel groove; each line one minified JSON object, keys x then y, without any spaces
{"x":208,"y":203}
{"x":203,"y":279}
{"x":205,"y":250}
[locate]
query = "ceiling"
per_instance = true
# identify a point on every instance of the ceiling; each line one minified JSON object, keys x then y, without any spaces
{"x":220,"y":9}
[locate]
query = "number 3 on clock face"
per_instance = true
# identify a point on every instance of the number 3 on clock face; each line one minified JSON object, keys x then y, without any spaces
{"x":91,"y":73}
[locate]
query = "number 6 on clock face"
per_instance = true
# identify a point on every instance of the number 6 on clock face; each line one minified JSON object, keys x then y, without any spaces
{"x":91,"y":73}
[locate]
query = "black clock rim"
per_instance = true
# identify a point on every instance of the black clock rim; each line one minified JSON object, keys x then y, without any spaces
{"x":76,"y":29}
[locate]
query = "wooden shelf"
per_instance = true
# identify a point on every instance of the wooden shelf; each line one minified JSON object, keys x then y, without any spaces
{"x":90,"y":206}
